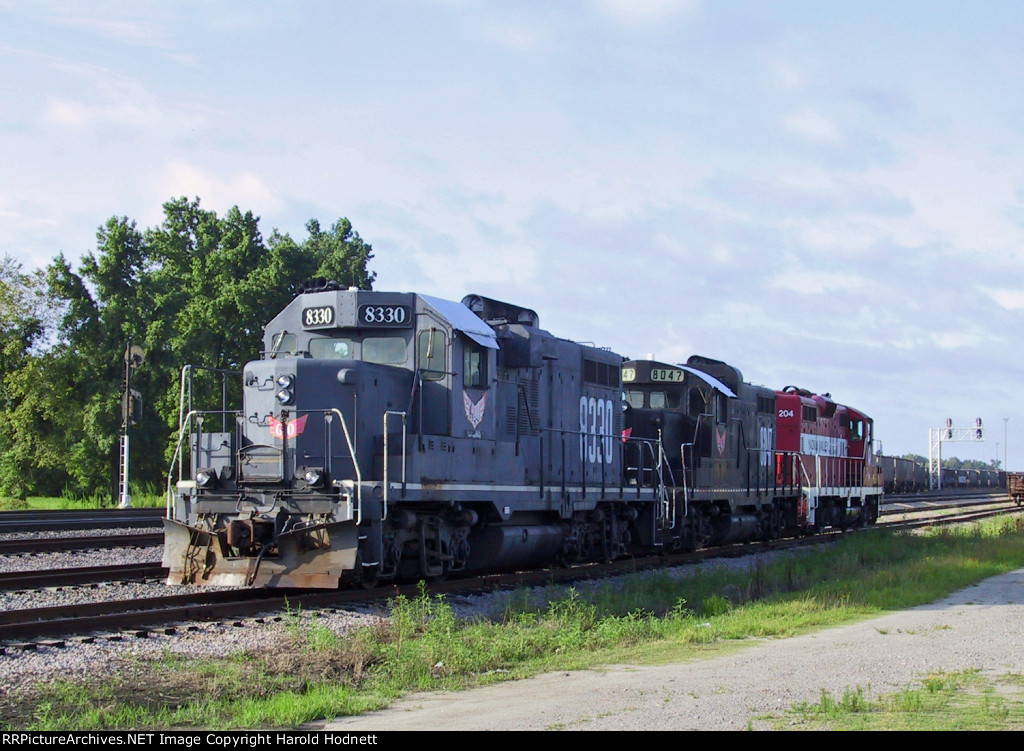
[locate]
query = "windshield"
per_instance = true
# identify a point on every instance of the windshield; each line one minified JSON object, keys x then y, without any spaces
{"x":332,"y":349}
{"x":385,"y":350}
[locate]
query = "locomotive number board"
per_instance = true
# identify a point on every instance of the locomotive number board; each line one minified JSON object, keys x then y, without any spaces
{"x":667,"y":374}
{"x":315,"y":318}
{"x":661,"y":375}
{"x":390,"y":316}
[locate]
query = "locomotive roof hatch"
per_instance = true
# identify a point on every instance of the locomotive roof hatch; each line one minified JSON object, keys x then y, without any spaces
{"x":463,"y":319}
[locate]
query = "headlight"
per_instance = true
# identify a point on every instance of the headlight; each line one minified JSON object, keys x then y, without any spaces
{"x":285,"y":396}
{"x":285,"y":381}
{"x":205,"y":478}
{"x":313,"y":476}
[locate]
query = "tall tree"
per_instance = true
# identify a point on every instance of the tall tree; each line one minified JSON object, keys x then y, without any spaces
{"x":342,"y":254}
{"x":196,"y":289}
{"x":23,"y":313}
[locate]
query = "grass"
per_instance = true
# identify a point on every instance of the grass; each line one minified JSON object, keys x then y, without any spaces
{"x":313,"y":672}
{"x":965,"y":700}
{"x":146,"y":496}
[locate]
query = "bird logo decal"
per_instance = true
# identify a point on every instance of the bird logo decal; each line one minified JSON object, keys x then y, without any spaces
{"x":292,"y":428}
{"x":474,"y":412}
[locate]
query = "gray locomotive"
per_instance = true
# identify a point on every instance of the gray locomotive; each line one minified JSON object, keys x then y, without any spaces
{"x":387,"y":435}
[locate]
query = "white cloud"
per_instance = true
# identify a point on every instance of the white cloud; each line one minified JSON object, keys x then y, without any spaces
{"x":787,"y":76}
{"x":816,"y":282}
{"x":960,"y":195}
{"x":130,"y":31}
{"x":645,"y":12}
{"x":67,"y":113}
{"x":954,"y":339}
{"x":516,"y":35}
{"x":1009,"y":299}
{"x":218,"y":190}
{"x":808,"y":122}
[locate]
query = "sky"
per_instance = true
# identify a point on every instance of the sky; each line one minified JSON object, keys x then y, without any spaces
{"x":823,"y":194}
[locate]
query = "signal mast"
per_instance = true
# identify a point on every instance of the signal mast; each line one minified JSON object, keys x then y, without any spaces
{"x":948,"y":434}
{"x":131,"y":412}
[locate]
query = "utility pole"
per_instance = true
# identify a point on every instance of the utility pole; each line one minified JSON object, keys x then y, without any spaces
{"x":1006,"y":446}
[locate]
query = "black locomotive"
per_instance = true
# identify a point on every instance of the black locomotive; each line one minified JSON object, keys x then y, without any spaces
{"x":394,"y":435}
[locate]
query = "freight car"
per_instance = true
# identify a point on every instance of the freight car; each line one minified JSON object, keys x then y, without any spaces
{"x":903,"y":475}
{"x":1015,"y":487}
{"x":396,"y":435}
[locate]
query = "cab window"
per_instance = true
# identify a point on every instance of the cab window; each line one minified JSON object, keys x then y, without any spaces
{"x":384,"y":350}
{"x":431,"y":356}
{"x":282,"y":345}
{"x":474,"y":366}
{"x":337,"y":348}
{"x":856,"y":430}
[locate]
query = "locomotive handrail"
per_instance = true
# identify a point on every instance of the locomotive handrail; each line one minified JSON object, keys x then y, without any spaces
{"x":178,"y":456}
{"x":667,"y":505}
{"x":176,"y":459}
{"x":387,"y":480}
{"x":186,"y":388}
{"x":355,"y":465}
{"x":600,"y":451}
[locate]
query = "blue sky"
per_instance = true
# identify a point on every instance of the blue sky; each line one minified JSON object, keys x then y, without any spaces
{"x":825,"y":194}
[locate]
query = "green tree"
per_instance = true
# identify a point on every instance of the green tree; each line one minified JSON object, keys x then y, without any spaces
{"x":341,"y":253}
{"x":196,"y":289}
{"x":23,"y":324}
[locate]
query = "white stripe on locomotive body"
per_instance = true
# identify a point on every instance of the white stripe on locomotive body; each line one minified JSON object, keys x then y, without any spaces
{"x":823,"y":445}
{"x":629,"y":493}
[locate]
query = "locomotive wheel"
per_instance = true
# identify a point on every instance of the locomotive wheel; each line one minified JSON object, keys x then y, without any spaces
{"x":369,"y":580}
{"x":366,"y":577}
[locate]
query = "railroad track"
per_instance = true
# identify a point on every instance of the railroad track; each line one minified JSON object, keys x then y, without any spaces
{"x":17,"y":522}
{"x":85,"y":542}
{"x":912,"y":518}
{"x":77,"y":577}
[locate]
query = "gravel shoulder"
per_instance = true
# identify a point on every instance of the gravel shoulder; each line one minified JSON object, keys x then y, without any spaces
{"x":981,"y":627}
